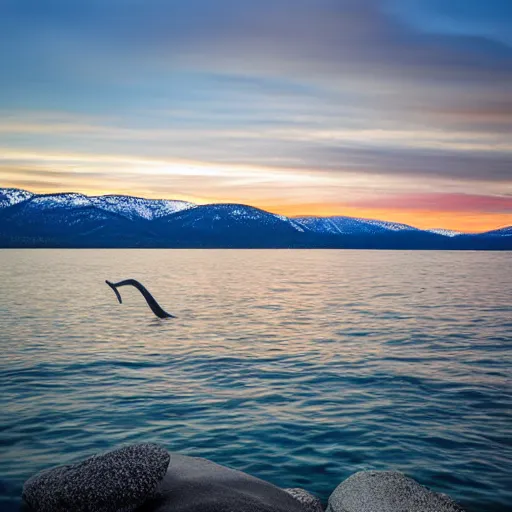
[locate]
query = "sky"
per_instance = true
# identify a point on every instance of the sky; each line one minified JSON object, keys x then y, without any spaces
{"x":392,"y":109}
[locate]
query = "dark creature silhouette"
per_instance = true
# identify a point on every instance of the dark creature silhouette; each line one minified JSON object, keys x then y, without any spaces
{"x":152,"y":303}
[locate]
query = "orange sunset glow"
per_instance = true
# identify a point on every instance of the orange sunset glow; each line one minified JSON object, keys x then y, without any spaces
{"x":467,"y":222}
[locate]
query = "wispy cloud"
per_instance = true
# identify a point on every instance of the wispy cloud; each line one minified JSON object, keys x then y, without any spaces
{"x":442,"y":202}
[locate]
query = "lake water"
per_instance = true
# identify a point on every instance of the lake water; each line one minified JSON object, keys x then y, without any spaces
{"x":299,"y":367}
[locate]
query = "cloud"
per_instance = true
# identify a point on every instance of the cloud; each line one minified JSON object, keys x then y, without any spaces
{"x":340,"y":40}
{"x":442,"y":202}
{"x":309,"y":142}
{"x":424,"y":164}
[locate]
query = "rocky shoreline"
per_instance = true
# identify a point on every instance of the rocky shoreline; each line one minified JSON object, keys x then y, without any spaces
{"x":147,"y":478}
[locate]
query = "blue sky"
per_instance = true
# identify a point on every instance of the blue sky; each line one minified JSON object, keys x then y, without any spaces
{"x":396,"y":108}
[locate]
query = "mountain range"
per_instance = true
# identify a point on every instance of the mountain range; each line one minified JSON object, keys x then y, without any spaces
{"x":75,"y":220}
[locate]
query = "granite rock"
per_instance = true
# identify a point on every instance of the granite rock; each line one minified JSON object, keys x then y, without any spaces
{"x":198,"y":485}
{"x":387,"y":491}
{"x":117,"y":481}
{"x":309,"y":502}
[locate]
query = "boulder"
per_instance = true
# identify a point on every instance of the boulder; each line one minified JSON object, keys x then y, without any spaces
{"x":309,"y":502}
{"x":198,"y":485}
{"x":117,"y":481}
{"x":387,"y":491}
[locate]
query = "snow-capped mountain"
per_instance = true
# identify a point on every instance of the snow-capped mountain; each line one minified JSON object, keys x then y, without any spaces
{"x":77,"y":220}
{"x":66,"y":220}
{"x":229,"y":225}
{"x":127,"y":206}
{"x":138,"y":207}
{"x":445,"y":232}
{"x":230,"y":215}
{"x":11,"y":196}
{"x":507,"y":231}
{"x":349,"y":225}
{"x":67,"y":200}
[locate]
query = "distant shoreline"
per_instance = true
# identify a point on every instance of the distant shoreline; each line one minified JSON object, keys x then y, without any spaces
{"x":106,"y":248}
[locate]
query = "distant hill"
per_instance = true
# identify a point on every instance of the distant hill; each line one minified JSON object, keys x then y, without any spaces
{"x":10,"y":196}
{"x":350,"y":225}
{"x":500,"y":232}
{"x":77,"y":220}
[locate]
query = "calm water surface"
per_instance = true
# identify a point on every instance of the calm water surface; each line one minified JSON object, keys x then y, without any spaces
{"x":299,"y":367}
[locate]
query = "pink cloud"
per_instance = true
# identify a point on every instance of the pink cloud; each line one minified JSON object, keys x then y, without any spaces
{"x":441,"y":202}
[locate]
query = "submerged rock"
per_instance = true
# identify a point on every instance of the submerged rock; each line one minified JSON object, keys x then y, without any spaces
{"x":117,"y":481}
{"x":199,"y":485}
{"x":309,"y":502}
{"x":387,"y":491}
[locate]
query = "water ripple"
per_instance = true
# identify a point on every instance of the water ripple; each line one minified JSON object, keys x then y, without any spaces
{"x":383,"y":360}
